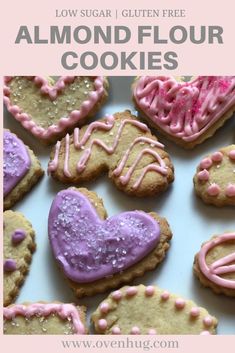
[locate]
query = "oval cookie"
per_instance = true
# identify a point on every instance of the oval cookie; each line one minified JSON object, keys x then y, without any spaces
{"x":95,"y":252}
{"x":214,"y":264}
{"x":151,"y":311}
{"x":185,"y":112}
{"x":120,"y":144}
{"x":19,"y":245}
{"x":214,"y":181}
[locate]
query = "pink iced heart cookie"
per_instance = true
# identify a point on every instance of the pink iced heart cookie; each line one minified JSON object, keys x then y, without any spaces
{"x":90,"y":249}
{"x":186,"y":112}
{"x":48,"y":109}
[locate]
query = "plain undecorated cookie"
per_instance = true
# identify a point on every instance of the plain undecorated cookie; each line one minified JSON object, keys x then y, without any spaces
{"x":151,"y":310}
{"x":120,"y":145}
{"x":214,"y":264}
{"x":19,"y":244}
{"x":44,"y":319}
{"x":21,"y":169}
{"x":214,"y":181}
{"x":96,"y":253}
{"x":185,"y":112}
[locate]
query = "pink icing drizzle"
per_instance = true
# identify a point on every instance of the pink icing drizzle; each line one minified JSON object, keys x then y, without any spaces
{"x":52,"y":92}
{"x":221,"y":266}
{"x":185,"y":110}
{"x":64,"y":311}
{"x":107,"y":126}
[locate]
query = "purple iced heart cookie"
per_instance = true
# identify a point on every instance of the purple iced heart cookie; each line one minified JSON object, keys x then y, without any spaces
{"x":16,"y":161}
{"x":89,"y":248}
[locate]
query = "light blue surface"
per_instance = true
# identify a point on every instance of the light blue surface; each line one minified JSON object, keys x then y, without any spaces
{"x":191,"y":221}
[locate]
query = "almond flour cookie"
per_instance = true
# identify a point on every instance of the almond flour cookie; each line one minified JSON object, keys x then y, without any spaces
{"x":44,"y":319}
{"x":185,"y":112}
{"x":21,"y":169}
{"x":120,"y":144}
{"x":214,"y":181}
{"x":48,"y":109}
{"x":214,"y":264}
{"x":151,"y":311}
{"x":18,"y":245}
{"x":96,"y":253}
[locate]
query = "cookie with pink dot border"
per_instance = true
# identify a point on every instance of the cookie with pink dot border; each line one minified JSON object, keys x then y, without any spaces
{"x":21,"y":169}
{"x":48,"y":108}
{"x":44,"y":319}
{"x":19,"y":245}
{"x":185,"y":112}
{"x":214,"y":264}
{"x":95,"y":252}
{"x":149,"y":310}
{"x":214,"y":181}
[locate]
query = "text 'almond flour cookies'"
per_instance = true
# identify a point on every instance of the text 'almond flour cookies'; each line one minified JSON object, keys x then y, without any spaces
{"x":18,"y":245}
{"x":186,"y":112}
{"x":48,"y":109}
{"x":21,"y":169}
{"x":44,"y":319}
{"x":120,"y":144}
{"x":96,"y":253}
{"x":151,"y":311}
{"x":214,"y":264}
{"x":214,"y":181}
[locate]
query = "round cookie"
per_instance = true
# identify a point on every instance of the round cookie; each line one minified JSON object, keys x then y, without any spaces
{"x":96,"y":253}
{"x":151,"y":311}
{"x":44,"y":319}
{"x":18,"y":242}
{"x":49,"y":109}
{"x":21,"y":169}
{"x":120,"y":144}
{"x":214,"y":181}
{"x":185,"y":112}
{"x":214,"y":264}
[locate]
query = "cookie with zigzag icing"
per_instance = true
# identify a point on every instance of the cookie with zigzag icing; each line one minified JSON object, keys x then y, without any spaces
{"x":120,"y":145}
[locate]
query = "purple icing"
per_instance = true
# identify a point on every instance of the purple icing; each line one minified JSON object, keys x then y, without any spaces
{"x":16,"y":161}
{"x":9,"y":265}
{"x":88,"y":248}
{"x":18,"y":236}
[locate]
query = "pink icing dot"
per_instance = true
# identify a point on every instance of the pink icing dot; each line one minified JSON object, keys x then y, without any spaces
{"x":213,"y":190}
{"x":131,"y":291}
{"x":203,"y":175}
{"x":149,"y":291}
{"x":104,"y":308}
{"x":135,"y":330}
{"x":232,"y":155}
{"x":151,"y":331}
{"x":102,"y":324}
{"x":206,"y":163}
{"x":165,"y":295}
{"x":230,"y":190}
{"x":207,"y":321}
{"x":117,"y":295}
{"x":217,"y":157}
{"x":195,"y":311}
{"x":116,"y":330}
{"x":205,"y":333}
{"x":179,"y":303}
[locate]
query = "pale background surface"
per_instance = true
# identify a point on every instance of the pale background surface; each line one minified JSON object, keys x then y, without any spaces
{"x":191,"y":221}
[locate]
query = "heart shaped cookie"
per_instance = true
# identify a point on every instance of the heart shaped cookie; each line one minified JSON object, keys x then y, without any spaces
{"x":120,"y":144}
{"x":95,"y":253}
{"x":48,"y":109}
{"x":185,"y":112}
{"x":214,"y":264}
{"x":18,"y":248}
{"x":151,"y":311}
{"x":44,"y":319}
{"x":21,"y":169}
